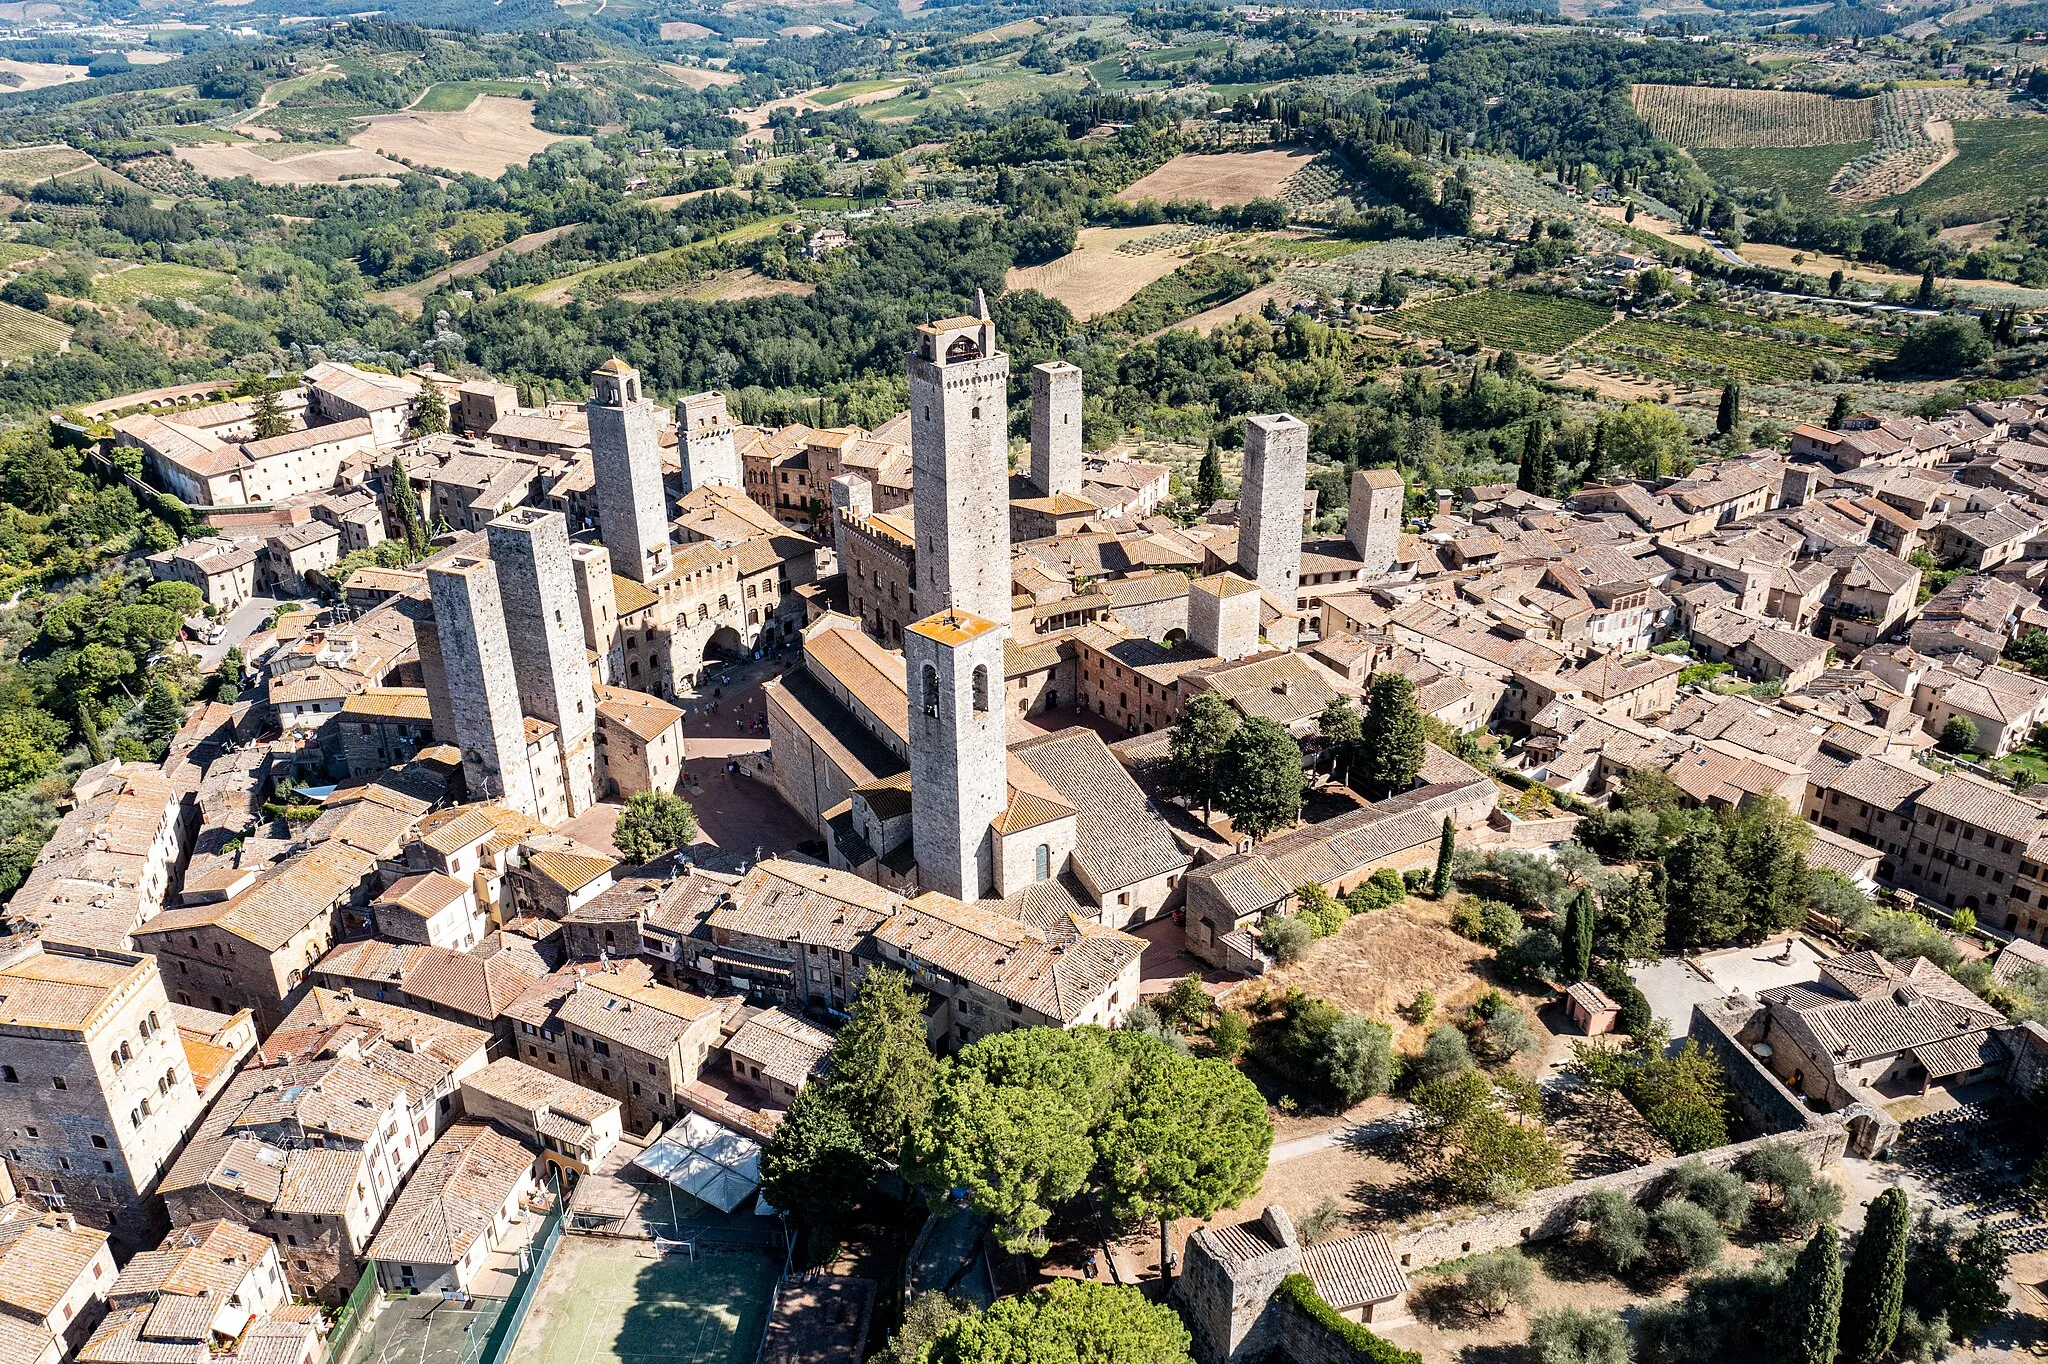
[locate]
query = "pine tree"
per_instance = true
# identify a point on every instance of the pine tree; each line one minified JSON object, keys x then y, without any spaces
{"x":1875,"y":1285}
{"x":1393,"y":736}
{"x":1731,"y":408}
{"x":1446,"y":851}
{"x":1813,"y":1300}
{"x":160,"y":718}
{"x":266,"y":417}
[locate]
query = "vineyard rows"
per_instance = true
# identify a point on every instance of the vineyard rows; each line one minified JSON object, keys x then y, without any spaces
{"x":1675,"y":351}
{"x":1912,"y":135}
{"x":23,"y":333}
{"x":1534,"y":324}
{"x":1444,"y":258}
{"x":1708,"y":116}
{"x":1172,"y":238}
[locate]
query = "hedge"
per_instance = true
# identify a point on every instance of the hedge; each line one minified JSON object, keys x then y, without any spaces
{"x":1299,"y":1292}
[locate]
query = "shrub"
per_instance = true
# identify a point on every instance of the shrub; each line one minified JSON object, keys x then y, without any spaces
{"x":1321,"y":911}
{"x":1534,"y":957}
{"x":1422,"y":1008}
{"x":1720,"y":1192}
{"x":1466,"y":921}
{"x":1298,"y":1291}
{"x":1320,"y":1222}
{"x":1798,"y":1199}
{"x":1445,"y":1053}
{"x":1499,"y":925}
{"x":1920,"y":1341}
{"x":1727,"y":1315}
{"x":1284,"y":937}
{"x":1359,"y":1058}
{"x":1505,"y":1034}
{"x":1618,"y":1230}
{"x":1683,"y":1237}
{"x":1230,"y":1035}
{"x":1489,"y":1284}
{"x":1570,"y":1336}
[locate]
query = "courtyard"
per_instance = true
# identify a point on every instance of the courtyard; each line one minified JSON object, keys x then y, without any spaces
{"x":605,"y":1301}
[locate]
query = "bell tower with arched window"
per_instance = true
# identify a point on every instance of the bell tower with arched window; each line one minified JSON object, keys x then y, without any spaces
{"x":958,"y":749}
{"x":960,"y":467}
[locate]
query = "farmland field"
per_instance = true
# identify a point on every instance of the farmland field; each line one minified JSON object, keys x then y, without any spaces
{"x":38,"y":75}
{"x":452,"y":97}
{"x":1801,"y":174}
{"x":31,"y":165}
{"x":1797,"y":328}
{"x":1094,"y":278}
{"x":287,"y":163}
{"x":1672,"y":350}
{"x":486,"y":137}
{"x":1534,"y":324}
{"x":14,"y":255}
{"x":1221,"y":179}
{"x":164,"y":280}
{"x":559,"y":290}
{"x":23,"y":333}
{"x":683,"y":31}
{"x":1997,"y":167}
{"x":839,"y":94}
{"x":701,"y":77}
{"x":1706,"y":116}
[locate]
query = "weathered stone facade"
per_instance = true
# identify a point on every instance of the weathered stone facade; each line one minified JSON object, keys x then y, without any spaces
{"x":1269,"y":504}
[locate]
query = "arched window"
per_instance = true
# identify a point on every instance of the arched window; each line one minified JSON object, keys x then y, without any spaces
{"x":931,"y":690}
{"x":1041,"y":862}
{"x":980,"y":687}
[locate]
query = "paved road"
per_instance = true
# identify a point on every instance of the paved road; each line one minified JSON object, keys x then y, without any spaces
{"x":248,"y":618}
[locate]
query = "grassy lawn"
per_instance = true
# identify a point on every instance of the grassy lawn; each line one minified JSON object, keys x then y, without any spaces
{"x":1997,"y":167}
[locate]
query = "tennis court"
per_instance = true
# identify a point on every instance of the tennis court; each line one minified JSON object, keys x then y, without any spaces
{"x":604,"y":1301}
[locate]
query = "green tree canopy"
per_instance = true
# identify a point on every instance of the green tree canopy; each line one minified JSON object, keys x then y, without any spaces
{"x":1813,"y":1300}
{"x":816,"y":1166}
{"x":1392,"y":735}
{"x":1874,"y":1286}
{"x":1198,"y":744}
{"x":882,"y":1062}
{"x":653,"y":823}
{"x":1259,"y":778}
{"x":1068,"y":1322}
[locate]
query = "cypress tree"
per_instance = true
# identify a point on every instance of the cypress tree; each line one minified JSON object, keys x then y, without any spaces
{"x":1209,"y":477}
{"x":1874,"y":1286}
{"x":1813,"y":1300}
{"x":407,"y":504}
{"x":1839,"y":413}
{"x":1731,"y":408}
{"x":1546,"y":470}
{"x":1578,"y":937}
{"x":1393,"y":736}
{"x":1446,"y":849}
{"x":1926,"y":296}
{"x":89,"y":728}
{"x":1527,"y":473}
{"x":1596,"y":465}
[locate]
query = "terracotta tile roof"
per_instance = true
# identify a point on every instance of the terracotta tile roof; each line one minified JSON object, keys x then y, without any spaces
{"x":790,"y":1050}
{"x":1059,"y":974}
{"x":648,"y":1018}
{"x":425,"y":893}
{"x":197,"y":1259}
{"x":388,"y":703}
{"x":1355,"y":1271}
{"x":124,"y":1337}
{"x":1121,"y":839}
{"x":41,"y":1262}
{"x":454,"y":1196}
{"x":60,"y":991}
{"x":645,"y":717}
{"x":291,"y":900}
{"x":569,"y":864}
{"x":1974,"y":801}
{"x":27,"y":1342}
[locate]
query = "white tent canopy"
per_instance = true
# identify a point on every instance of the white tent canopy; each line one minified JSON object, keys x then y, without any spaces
{"x":706,"y":1160}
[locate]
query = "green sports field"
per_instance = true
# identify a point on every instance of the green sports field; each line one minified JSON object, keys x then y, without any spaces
{"x":615,"y":1302}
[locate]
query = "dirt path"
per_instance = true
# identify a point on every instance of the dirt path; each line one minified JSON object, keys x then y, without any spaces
{"x":412,"y":297}
{"x":1244,"y":305}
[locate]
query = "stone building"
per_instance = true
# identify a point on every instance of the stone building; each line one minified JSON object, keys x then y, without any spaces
{"x":710,"y":452}
{"x":959,"y":448}
{"x":573,"y":1128}
{"x":632,"y":509}
{"x":957,"y":739}
{"x":1226,"y":1286}
{"x":54,"y":1278}
{"x":480,"y":694}
{"x":459,"y":1206}
{"x":1056,"y":428}
{"x":537,"y":589}
{"x":97,"y":1091}
{"x":107,"y":868}
{"x":616,"y":1031}
{"x":1269,"y":504}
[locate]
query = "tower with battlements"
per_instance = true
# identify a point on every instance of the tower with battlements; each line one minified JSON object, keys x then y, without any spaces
{"x":953,"y":663}
{"x":1056,"y":428}
{"x":545,"y":627}
{"x":711,"y":455}
{"x":960,"y":468}
{"x":1269,"y":504}
{"x":625,"y":458}
{"x":482,"y":688}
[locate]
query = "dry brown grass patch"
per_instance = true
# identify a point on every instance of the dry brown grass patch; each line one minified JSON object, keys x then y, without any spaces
{"x":1220,"y":179}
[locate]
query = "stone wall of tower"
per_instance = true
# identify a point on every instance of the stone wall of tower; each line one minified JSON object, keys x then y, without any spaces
{"x":483,"y":692}
{"x":959,"y":780}
{"x":959,"y":450}
{"x":625,"y":457}
{"x":544,"y":623}
{"x":599,"y":607}
{"x":711,"y":453}
{"x":1269,"y":504}
{"x":852,"y":495}
{"x":1373,"y":524}
{"x":433,"y":676}
{"x":1056,"y":427}
{"x":1223,"y":616}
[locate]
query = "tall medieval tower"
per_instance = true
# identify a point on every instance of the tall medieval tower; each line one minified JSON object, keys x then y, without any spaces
{"x":625,"y":457}
{"x":959,"y":784}
{"x":1056,"y":428}
{"x":960,"y":468}
{"x":1373,"y":524}
{"x":549,"y":664}
{"x":710,"y":449}
{"x":1269,"y":504}
{"x":475,"y":650}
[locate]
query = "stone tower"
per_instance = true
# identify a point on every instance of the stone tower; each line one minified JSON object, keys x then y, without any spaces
{"x":1269,"y":504}
{"x":959,"y":780}
{"x":852,"y":495}
{"x":625,"y":458}
{"x":1056,"y":427}
{"x":1223,"y":616}
{"x":531,"y":549}
{"x":483,"y":690}
{"x":1373,"y":524}
{"x":710,"y":453}
{"x":960,"y":468}
{"x":597,"y":602}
